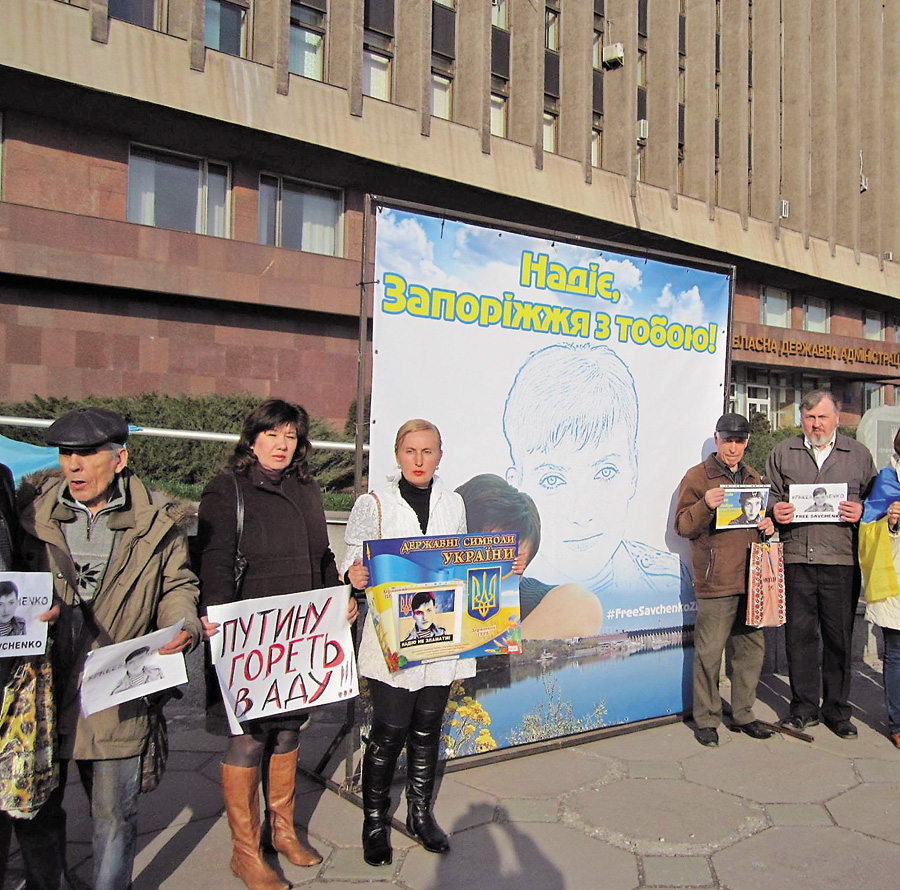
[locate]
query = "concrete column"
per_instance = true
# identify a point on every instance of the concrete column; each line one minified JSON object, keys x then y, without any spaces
{"x":472,"y":82}
{"x":888,"y":189}
{"x":823,"y":115}
{"x":796,"y":116}
{"x":620,"y":92}
{"x":526,"y":75}
{"x":734,"y":109}
{"x":662,"y":95}
{"x":344,"y":50}
{"x":699,"y":112}
{"x":197,"y":38}
{"x":100,"y":21}
{"x":576,"y":81}
{"x":766,"y":111}
{"x":265,"y":25}
{"x":872,"y":85}
{"x":412,"y":58}
{"x":178,"y":21}
{"x":847,"y":121}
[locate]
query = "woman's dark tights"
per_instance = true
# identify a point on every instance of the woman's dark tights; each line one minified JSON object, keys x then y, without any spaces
{"x":247,"y":750}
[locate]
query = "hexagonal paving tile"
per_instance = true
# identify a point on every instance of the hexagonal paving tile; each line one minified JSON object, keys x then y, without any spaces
{"x":522,"y":855}
{"x":665,"y":815}
{"x":539,"y":775}
{"x":870,"y":809}
{"x":774,"y":771}
{"x":807,"y":859}
{"x":674,"y":741}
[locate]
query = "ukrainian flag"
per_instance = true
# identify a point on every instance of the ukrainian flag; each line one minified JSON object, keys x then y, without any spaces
{"x":876,"y":554}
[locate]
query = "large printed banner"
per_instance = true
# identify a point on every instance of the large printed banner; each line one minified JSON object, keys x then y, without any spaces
{"x":285,"y":653}
{"x":440,"y":597}
{"x":581,"y":384}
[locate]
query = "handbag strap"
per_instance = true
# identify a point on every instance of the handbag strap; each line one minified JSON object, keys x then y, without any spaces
{"x":239,"y":508}
{"x":378,"y":508}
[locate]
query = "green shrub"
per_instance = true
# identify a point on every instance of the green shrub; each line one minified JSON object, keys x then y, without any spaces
{"x":182,"y":467}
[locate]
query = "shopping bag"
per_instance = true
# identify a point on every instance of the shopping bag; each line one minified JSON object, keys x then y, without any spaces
{"x":765,"y":588}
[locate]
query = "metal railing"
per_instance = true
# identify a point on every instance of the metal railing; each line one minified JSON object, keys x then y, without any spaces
{"x":196,"y":435}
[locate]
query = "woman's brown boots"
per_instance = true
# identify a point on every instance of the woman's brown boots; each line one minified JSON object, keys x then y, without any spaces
{"x":282,"y":782}
{"x":240,"y":787}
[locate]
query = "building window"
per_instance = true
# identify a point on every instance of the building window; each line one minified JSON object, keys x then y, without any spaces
{"x":816,"y":315}
{"x":299,"y":216}
{"x":137,"y":12}
{"x":775,"y":307}
{"x":441,"y":96}
{"x":377,"y":75}
{"x":641,"y":161}
{"x":774,"y":395}
{"x":551,"y":27}
{"x":177,"y":192}
{"x":498,"y":115}
{"x":873,"y":396}
{"x":873,"y":325}
{"x":307,"y":55}
{"x":549,"y":131}
{"x":378,"y":48}
{"x":500,"y":14}
{"x":226,"y":26}
{"x":596,"y":147}
{"x":443,"y":58}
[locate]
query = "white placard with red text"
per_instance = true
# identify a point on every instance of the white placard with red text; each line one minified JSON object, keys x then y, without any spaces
{"x":283,"y":653}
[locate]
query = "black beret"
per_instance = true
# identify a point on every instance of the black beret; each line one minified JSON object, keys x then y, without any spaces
{"x":87,"y":428}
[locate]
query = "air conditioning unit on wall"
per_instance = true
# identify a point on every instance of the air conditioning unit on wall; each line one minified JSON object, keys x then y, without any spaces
{"x":643,"y":129}
{"x":613,"y":55}
{"x":784,"y":209}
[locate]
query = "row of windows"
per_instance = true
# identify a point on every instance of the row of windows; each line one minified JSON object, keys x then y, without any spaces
{"x":227,"y":30}
{"x":775,"y":311}
{"x":193,"y":195}
{"x":776,"y":394}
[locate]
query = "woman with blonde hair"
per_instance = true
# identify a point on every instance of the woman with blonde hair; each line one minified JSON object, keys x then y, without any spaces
{"x":408,"y":707}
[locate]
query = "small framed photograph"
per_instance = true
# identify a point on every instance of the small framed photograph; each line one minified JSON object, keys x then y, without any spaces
{"x":429,"y":618}
{"x":744,"y":506}
{"x":819,"y":502}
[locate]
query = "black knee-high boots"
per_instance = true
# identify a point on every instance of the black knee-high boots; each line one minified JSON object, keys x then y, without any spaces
{"x":422,"y":747}
{"x":379,"y":762}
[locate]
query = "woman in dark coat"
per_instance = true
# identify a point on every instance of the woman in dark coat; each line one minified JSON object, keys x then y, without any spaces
{"x":285,"y":543}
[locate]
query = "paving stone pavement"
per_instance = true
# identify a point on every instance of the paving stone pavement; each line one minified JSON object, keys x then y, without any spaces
{"x":646,"y":809}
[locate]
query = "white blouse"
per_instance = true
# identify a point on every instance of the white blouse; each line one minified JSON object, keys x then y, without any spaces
{"x":446,"y":516}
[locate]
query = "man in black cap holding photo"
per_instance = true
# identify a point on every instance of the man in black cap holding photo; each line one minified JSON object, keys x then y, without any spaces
{"x":719,"y":560}
{"x":120,"y":570}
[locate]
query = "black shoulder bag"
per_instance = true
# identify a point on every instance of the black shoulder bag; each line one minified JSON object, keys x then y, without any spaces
{"x":240,"y":561}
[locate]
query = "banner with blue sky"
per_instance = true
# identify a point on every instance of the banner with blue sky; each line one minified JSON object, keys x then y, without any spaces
{"x":583,"y":383}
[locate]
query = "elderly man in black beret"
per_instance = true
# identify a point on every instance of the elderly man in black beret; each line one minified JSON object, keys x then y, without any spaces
{"x":120,"y":570}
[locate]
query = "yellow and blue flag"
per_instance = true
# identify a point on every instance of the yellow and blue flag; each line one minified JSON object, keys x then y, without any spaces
{"x":876,"y":554}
